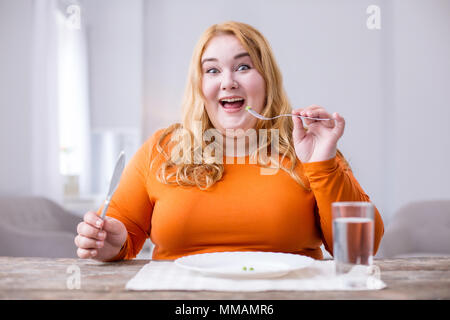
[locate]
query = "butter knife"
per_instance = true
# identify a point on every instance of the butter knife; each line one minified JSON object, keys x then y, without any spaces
{"x":120,"y":164}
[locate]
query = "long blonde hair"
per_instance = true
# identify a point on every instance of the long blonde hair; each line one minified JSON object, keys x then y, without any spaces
{"x":206,"y":172}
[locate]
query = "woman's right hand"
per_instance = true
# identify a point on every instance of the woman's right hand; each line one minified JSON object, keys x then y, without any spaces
{"x":99,"y":239}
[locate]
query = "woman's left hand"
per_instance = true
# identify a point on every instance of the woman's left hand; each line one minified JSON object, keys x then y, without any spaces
{"x":319,"y":141}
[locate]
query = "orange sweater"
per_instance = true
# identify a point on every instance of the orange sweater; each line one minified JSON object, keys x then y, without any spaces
{"x":244,"y":211}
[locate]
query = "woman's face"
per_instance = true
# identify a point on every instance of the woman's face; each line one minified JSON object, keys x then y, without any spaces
{"x":230,"y":83}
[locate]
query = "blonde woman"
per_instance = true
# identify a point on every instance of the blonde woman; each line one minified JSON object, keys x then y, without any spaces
{"x":191,"y":189}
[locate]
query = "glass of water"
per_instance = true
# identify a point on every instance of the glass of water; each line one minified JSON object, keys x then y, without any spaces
{"x":353,"y":235}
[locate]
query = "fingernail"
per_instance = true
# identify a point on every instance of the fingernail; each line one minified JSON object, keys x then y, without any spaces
{"x":98,"y":223}
{"x":102,"y":234}
{"x":99,"y":244}
{"x":93,"y":253}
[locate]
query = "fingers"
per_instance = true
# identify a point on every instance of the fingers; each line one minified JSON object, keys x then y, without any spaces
{"x":112,"y":226}
{"x":310,"y":111}
{"x":316,"y":111}
{"x":87,"y":247}
{"x":86,"y":254}
{"x":299,"y":131}
{"x":340,"y":125}
{"x":96,"y":224}
{"x":93,"y":219}
{"x":88,"y":243}
{"x":87,"y":230}
{"x":90,"y":237}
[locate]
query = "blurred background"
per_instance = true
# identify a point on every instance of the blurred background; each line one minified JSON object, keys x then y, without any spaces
{"x":81,"y":80}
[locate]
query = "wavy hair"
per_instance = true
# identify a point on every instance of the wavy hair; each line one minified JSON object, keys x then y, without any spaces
{"x":206,"y":170}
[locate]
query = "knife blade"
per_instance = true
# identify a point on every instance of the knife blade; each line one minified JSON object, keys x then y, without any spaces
{"x":118,"y":169}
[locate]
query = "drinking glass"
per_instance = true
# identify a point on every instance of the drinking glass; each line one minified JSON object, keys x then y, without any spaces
{"x":353,"y":235}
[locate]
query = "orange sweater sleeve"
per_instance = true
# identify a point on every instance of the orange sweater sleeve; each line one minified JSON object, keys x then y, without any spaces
{"x":131,"y":203}
{"x":330,"y":181}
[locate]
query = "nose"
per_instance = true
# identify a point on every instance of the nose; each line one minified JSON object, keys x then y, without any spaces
{"x":228,"y":82}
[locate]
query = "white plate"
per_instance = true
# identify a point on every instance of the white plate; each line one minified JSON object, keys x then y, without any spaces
{"x":244,"y":264}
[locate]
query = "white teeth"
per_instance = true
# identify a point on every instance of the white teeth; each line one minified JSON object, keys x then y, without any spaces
{"x":232,"y":100}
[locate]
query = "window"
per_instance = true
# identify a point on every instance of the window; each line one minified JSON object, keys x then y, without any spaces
{"x":73,"y":105}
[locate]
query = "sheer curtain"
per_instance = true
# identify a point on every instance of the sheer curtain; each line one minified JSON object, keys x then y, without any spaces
{"x":73,"y":97}
{"x":60,"y":110}
{"x":45,"y":177}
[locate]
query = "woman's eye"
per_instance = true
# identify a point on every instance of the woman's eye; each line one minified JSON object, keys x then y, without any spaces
{"x":243,"y":67}
{"x":212,"y":70}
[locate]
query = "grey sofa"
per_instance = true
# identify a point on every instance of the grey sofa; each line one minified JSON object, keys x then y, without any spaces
{"x":418,"y":229}
{"x":36,"y":227}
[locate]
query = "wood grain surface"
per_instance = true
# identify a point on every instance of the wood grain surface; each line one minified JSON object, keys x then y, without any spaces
{"x":42,"y":278}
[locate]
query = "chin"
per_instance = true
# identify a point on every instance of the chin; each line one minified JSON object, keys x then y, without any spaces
{"x":237,"y":132}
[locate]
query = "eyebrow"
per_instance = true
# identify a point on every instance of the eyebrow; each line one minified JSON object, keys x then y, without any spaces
{"x":240,"y":55}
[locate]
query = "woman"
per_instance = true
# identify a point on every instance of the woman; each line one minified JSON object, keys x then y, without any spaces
{"x":197,"y":202}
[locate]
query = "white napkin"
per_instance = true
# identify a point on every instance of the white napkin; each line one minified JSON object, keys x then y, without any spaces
{"x":166,"y":275}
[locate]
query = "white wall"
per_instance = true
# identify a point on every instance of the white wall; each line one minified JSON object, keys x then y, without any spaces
{"x":115,"y":76}
{"x":115,"y":58}
{"x":382,"y":81}
{"x":15,"y":96}
{"x":418,"y":91}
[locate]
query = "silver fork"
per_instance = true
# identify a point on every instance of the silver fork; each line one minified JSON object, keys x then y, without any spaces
{"x":257,"y":115}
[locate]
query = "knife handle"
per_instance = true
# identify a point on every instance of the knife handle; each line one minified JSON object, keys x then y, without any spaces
{"x":105,"y":207}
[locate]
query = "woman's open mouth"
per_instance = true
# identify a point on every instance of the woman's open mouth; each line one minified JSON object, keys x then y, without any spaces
{"x":233,"y":104}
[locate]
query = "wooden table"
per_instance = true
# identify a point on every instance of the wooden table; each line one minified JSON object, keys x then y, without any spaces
{"x":42,"y":278}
